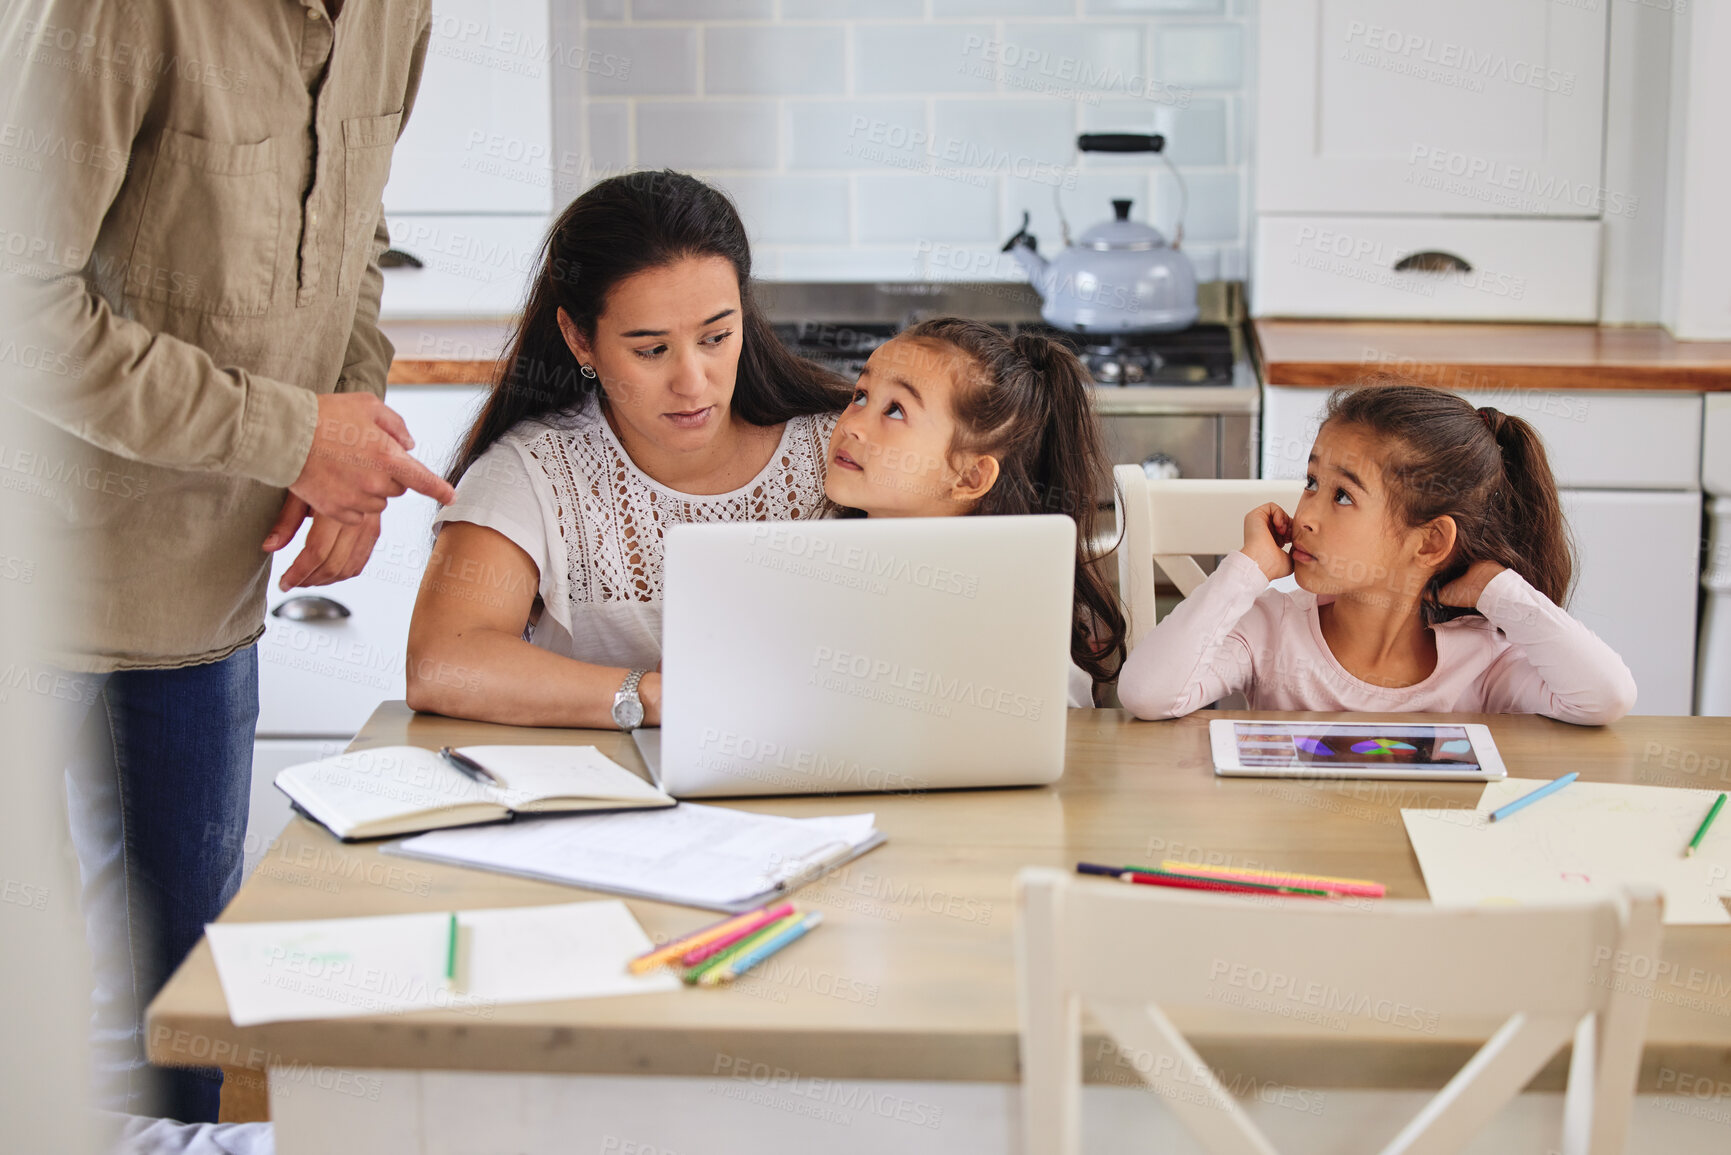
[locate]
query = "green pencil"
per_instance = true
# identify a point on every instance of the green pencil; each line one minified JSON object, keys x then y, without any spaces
{"x":451,"y":949}
{"x":1705,"y":823}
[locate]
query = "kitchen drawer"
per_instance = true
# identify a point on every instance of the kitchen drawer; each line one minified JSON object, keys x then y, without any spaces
{"x":324,"y":677}
{"x":1595,"y":439}
{"x":471,"y":265}
{"x":1520,"y":270}
{"x":1637,"y":558}
{"x":1716,"y":445}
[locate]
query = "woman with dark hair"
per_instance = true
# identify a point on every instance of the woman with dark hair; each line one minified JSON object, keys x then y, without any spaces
{"x":642,"y":388}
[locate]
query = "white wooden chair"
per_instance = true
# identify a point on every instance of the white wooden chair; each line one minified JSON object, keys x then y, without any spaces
{"x":1170,"y":523}
{"x":1126,"y":952}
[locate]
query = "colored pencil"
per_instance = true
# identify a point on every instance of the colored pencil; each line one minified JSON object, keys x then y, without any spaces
{"x":451,"y":949}
{"x":756,"y":938}
{"x":1362,"y":887}
{"x":758,"y":919}
{"x":663,"y":955}
{"x":1149,"y":877}
{"x":1701,"y":832}
{"x":744,"y":961}
{"x":1552,"y":787}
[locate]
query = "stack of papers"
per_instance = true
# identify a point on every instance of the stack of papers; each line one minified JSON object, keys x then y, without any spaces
{"x":344,"y":967}
{"x":708,"y":856}
{"x":1586,"y":840}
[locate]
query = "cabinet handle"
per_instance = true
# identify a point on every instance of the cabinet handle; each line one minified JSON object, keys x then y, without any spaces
{"x":311,"y":608}
{"x":1432,"y":261}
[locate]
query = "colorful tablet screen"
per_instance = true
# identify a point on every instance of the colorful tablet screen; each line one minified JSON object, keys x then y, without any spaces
{"x":1340,"y":745}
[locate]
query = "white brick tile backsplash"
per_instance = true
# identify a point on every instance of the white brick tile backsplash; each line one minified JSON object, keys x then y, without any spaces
{"x":854,"y":263}
{"x":609,"y":135}
{"x":902,"y":139}
{"x":797,"y":210}
{"x":663,"y":61}
{"x":1102,"y":58}
{"x":1150,"y":7}
{"x":856,"y":133}
{"x":702,"y":9}
{"x":942,"y":9}
{"x":919,"y":58}
{"x":1011,"y":135}
{"x":794,"y":60}
{"x":843,"y":9}
{"x":707,"y":134}
{"x":1200,"y":55}
{"x":1214,"y":211}
{"x":915,"y":207}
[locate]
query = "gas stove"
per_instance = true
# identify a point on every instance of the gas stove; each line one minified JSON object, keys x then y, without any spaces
{"x":1203,"y":354}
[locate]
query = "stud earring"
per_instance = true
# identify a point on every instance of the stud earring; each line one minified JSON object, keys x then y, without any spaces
{"x":587,"y":371}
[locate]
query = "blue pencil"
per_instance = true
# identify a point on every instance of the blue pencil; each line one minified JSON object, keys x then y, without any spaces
{"x":735,"y":967}
{"x":1548,"y":788}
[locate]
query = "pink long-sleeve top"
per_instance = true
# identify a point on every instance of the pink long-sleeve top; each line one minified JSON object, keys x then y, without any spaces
{"x":1524,"y":656}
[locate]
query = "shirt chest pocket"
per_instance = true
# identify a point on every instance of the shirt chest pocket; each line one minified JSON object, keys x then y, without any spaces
{"x":208,"y":232}
{"x":367,"y":142}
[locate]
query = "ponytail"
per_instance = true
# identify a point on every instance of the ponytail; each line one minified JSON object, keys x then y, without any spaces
{"x":1484,"y":468}
{"x":1527,"y":512}
{"x":1028,"y":404}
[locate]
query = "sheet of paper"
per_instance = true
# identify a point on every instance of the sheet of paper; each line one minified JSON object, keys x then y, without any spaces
{"x":1589,"y":838}
{"x":391,"y":964}
{"x":697,"y":854}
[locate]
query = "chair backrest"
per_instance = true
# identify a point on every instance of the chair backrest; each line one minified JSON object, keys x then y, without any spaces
{"x":1170,"y":523}
{"x":1126,"y":952}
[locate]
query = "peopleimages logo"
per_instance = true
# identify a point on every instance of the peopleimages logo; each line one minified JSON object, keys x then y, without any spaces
{"x":869,"y":563}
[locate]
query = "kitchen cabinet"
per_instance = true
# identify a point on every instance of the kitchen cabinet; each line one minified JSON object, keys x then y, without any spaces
{"x":1426,"y":160}
{"x":480,"y":136}
{"x":1628,"y":469}
{"x":1470,"y":108}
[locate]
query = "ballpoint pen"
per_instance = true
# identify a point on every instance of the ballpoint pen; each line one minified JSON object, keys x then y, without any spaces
{"x":468,"y":766}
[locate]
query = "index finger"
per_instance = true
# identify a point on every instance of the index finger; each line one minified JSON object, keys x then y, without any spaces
{"x":421,"y":479}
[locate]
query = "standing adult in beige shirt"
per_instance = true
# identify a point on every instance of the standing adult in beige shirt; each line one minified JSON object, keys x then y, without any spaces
{"x":189,"y":270}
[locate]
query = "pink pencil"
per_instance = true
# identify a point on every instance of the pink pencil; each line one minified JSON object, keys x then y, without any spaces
{"x":760,"y":919}
{"x":1353,"y":886}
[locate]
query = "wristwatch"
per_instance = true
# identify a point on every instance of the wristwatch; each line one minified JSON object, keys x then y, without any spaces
{"x":627,"y":706}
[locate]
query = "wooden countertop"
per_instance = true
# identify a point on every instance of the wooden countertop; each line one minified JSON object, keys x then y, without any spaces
{"x":446,"y":352}
{"x":1469,"y":356}
{"x":913,"y":974}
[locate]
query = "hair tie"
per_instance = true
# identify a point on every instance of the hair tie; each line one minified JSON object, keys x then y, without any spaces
{"x":1489,"y":415}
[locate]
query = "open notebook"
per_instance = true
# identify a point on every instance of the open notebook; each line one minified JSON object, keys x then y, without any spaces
{"x":404,"y":789}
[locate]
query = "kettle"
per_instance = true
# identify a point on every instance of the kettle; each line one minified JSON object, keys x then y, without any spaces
{"x":1120,"y":276}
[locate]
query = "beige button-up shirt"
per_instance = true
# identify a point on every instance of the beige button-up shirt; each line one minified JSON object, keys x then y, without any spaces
{"x":189,"y":241}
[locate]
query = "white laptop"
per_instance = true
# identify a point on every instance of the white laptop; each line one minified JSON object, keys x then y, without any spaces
{"x":891,"y":654}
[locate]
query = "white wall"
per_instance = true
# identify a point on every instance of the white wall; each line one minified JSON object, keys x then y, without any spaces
{"x":902,"y":139}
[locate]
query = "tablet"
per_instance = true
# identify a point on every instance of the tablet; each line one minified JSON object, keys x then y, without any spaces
{"x":1417,"y":750}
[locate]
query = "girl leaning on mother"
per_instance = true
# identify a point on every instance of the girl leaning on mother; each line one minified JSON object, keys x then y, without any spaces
{"x":644,"y":389}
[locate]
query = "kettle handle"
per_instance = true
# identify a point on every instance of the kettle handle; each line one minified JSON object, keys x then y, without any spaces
{"x":1120,"y":142}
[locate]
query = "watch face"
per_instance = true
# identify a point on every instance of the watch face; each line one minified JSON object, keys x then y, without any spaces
{"x":628,"y":713}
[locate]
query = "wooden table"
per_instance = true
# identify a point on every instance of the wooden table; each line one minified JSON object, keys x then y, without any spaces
{"x":912,"y":976}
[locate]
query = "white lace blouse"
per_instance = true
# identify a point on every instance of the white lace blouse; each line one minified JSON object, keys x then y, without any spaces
{"x":566,"y":493}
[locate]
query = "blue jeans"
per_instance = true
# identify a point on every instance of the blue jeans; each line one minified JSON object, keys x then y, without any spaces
{"x":157,"y":797}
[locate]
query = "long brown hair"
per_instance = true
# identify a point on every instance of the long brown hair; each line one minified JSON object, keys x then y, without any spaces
{"x":619,"y":227}
{"x":1028,"y":404}
{"x":1484,"y":468}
